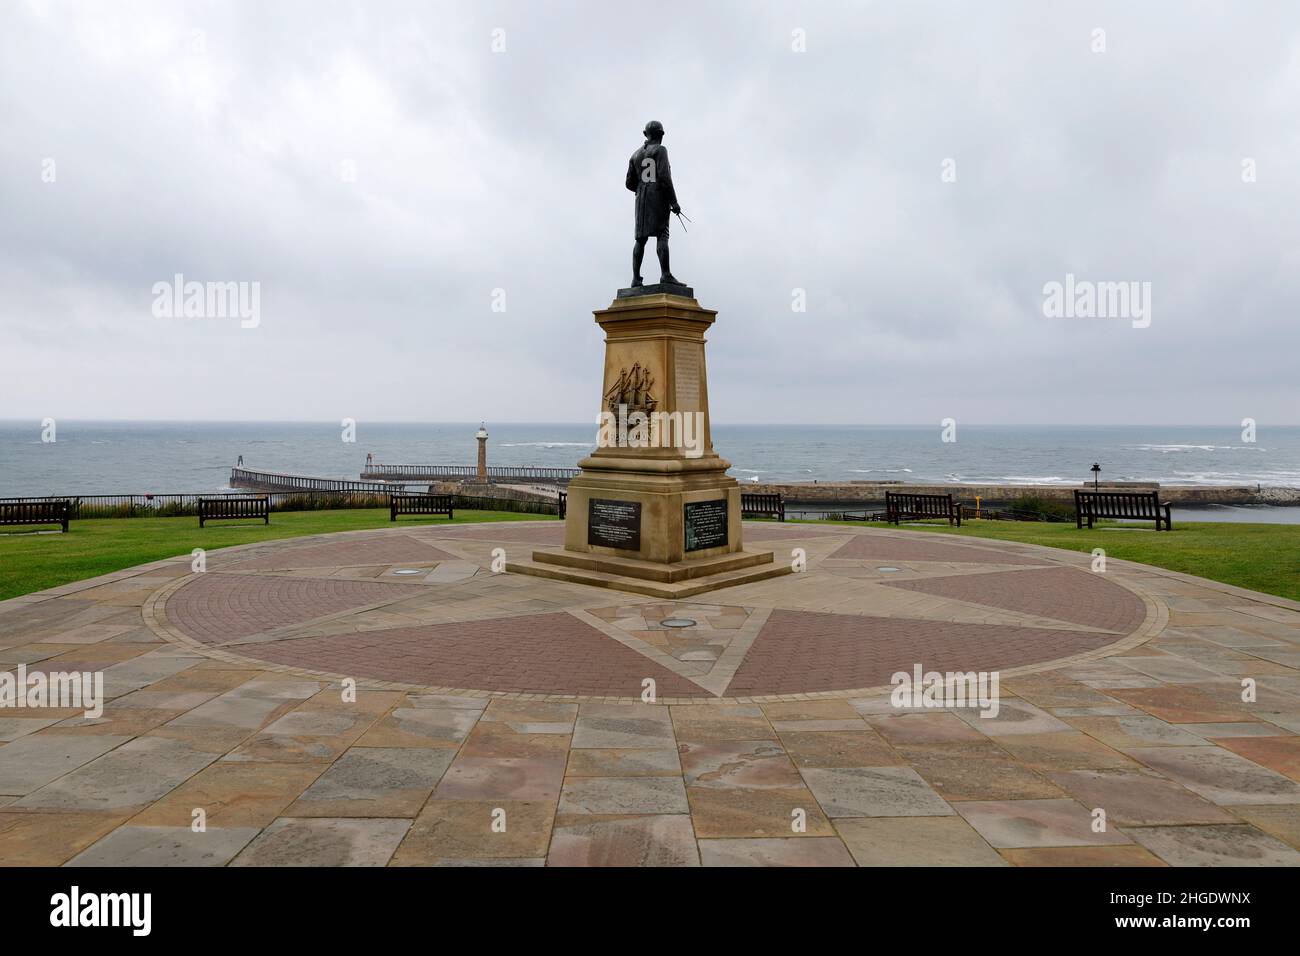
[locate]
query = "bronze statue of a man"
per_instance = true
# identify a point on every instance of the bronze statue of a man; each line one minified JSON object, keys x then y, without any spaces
{"x":651,"y":178}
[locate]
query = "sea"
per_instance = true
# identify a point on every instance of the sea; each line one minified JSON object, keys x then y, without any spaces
{"x":137,"y":457}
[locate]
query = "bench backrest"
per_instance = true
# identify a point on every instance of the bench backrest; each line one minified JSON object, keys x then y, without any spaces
{"x":421,"y":504}
{"x":914,"y":504}
{"x":34,"y":512}
{"x":1118,"y":504}
{"x":761,"y":501}
{"x":257,"y":506}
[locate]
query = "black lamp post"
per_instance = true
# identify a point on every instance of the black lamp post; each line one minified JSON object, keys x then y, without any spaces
{"x":1096,"y":470}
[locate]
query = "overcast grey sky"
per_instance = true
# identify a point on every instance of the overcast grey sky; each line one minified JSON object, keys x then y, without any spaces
{"x":217,"y":140}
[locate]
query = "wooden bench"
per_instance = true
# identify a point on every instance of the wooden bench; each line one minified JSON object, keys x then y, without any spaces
{"x":416,"y":504}
{"x":762,"y":505}
{"x":235,"y":507}
{"x":1143,"y":505}
{"x":906,"y":505}
{"x":36,"y":512}
{"x":564,"y":504}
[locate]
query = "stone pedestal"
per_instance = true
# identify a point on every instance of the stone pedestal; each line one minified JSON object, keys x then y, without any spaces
{"x":653,"y":510}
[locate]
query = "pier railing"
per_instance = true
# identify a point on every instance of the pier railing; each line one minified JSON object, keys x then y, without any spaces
{"x":275,"y":481}
{"x":525,"y":473}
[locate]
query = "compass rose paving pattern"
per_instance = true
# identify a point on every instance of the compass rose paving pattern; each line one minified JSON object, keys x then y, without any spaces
{"x":616,"y":729}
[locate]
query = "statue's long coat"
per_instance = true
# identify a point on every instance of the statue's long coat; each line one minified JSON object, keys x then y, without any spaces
{"x":653,"y":185}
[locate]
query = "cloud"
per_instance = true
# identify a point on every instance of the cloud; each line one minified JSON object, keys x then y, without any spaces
{"x":380,"y":171}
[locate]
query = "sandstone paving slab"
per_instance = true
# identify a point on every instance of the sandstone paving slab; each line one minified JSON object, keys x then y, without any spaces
{"x":843,"y":748}
{"x":451,"y":862}
{"x":874,"y":792}
{"x":1221,"y":845}
{"x":1013,"y":717}
{"x":1249,"y":728}
{"x":250,"y":705}
{"x":1064,"y":751}
{"x":623,"y":795}
{"x":11,"y":728}
{"x":1100,"y":710}
{"x":127,"y":723}
{"x":814,"y":710}
{"x":1185,"y":704}
{"x":474,"y":830}
{"x":433,"y":727}
{"x":1287,"y":720}
{"x":34,"y":760}
{"x":750,"y":813}
{"x":1031,"y":823}
{"x":498,"y":740}
{"x":88,"y":633}
{"x":788,"y":851}
{"x":1279,"y":820}
{"x":306,"y":735}
{"x":1276,"y":753}
{"x":166,"y":846}
{"x":1172,"y":670}
{"x":653,"y":840}
{"x":855,"y":723}
{"x":520,"y":779}
{"x":1127,"y":732}
{"x":175,"y":701}
{"x":925,"y":728}
{"x":916,"y":841}
{"x":1220,"y":775}
{"x":1138,"y":797}
{"x":532,"y":716}
{"x":374,"y":782}
{"x":623,"y":762}
{"x":737,"y":763}
{"x":722,"y":722}
{"x":130,"y":777}
{"x":447,"y":700}
{"x":33,"y":838}
{"x":1051,"y":690}
{"x":624,"y":726}
{"x":324,"y":842}
{"x":976,"y":772}
{"x":232,"y":794}
{"x":1113,"y":856}
{"x":31,"y":654}
{"x":205,"y":678}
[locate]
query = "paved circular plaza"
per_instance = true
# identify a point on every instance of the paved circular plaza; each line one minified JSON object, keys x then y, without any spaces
{"x":384,"y":698}
{"x":419,"y":606}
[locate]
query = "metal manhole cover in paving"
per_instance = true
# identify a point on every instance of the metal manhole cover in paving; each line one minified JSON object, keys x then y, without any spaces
{"x":677,"y":622}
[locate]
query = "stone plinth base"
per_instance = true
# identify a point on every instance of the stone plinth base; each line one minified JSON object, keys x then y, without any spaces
{"x":680,"y":579}
{"x":654,"y":511}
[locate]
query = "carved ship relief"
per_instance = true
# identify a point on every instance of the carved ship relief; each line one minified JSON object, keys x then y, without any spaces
{"x":632,"y":390}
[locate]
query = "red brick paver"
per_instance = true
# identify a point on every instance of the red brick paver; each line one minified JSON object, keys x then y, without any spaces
{"x":552,"y":533}
{"x":215,"y":608}
{"x":1064,"y":594}
{"x":389,"y":549}
{"x":532,"y":654}
{"x":807,"y":652}
{"x":881,"y":547}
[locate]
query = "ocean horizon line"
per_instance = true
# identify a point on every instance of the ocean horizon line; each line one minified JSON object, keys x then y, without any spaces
{"x":593,"y":423}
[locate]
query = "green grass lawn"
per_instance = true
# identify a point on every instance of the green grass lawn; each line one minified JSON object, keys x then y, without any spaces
{"x":32,"y":562}
{"x":1262,"y":557}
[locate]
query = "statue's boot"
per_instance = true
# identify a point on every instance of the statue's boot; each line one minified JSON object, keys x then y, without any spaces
{"x":637,"y":281}
{"x":669,"y":279}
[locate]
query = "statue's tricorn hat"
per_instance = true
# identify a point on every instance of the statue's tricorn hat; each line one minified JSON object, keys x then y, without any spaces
{"x":653,"y":127}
